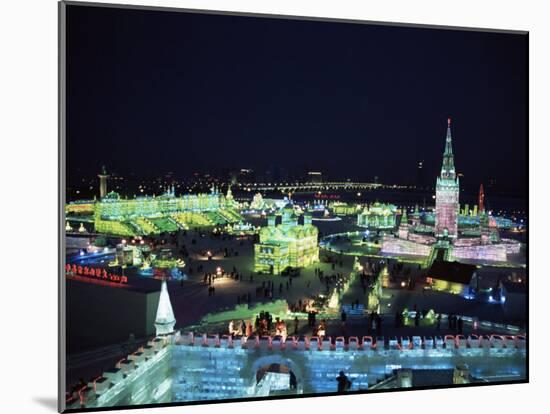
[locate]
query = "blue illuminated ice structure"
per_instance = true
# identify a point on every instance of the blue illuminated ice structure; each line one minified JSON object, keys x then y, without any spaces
{"x":184,"y":368}
{"x":177,"y":274}
{"x":148,"y":271}
{"x":176,"y":368}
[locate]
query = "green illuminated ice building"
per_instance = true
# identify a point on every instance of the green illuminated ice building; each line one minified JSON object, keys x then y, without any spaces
{"x":286,"y":244}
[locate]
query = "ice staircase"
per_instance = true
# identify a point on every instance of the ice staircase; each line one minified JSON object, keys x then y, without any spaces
{"x":441,"y":253}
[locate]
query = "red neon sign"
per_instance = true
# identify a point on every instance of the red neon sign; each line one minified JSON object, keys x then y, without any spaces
{"x":97,"y":273}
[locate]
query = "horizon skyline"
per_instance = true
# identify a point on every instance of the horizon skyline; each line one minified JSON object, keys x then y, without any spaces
{"x":227,"y":175}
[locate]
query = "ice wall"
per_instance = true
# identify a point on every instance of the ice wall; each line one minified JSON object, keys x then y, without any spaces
{"x":188,"y":368}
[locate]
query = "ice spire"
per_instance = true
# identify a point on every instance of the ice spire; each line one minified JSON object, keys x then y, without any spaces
{"x":404,"y":219}
{"x":481,"y":206}
{"x":448,"y":167}
{"x":448,"y":139}
{"x":165,"y":321}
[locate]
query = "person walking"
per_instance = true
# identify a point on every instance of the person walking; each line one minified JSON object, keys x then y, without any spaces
{"x":397,"y":319}
{"x":344,"y":384}
{"x":344,"y":316}
{"x":370,"y":322}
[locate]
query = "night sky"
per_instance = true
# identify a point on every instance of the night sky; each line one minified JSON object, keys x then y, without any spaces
{"x":150,"y":92}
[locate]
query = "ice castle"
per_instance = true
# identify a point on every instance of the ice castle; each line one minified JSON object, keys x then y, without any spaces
{"x":444,"y":240}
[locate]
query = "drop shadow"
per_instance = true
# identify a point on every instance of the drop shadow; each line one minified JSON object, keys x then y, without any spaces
{"x":47,"y":402}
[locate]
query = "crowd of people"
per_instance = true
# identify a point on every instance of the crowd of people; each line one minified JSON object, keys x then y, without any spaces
{"x":241,"y":328}
{"x":264,"y":325}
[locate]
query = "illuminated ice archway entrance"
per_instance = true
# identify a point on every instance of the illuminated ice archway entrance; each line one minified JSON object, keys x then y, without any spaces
{"x":276,"y":375}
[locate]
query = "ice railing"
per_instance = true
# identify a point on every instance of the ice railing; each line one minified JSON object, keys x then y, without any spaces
{"x":475,"y":323}
{"x":355,"y":343}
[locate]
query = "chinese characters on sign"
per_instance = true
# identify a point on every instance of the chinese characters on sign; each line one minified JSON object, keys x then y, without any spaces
{"x":92,"y":272}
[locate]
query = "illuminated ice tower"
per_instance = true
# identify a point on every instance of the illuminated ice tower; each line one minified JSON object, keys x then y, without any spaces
{"x":165,"y":320}
{"x":103,"y":182}
{"x":446,"y":193}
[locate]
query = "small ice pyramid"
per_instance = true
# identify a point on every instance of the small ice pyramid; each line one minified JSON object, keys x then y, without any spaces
{"x":165,"y":320}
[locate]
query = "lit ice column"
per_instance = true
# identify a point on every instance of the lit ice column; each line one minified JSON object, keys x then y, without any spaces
{"x":103,"y":176}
